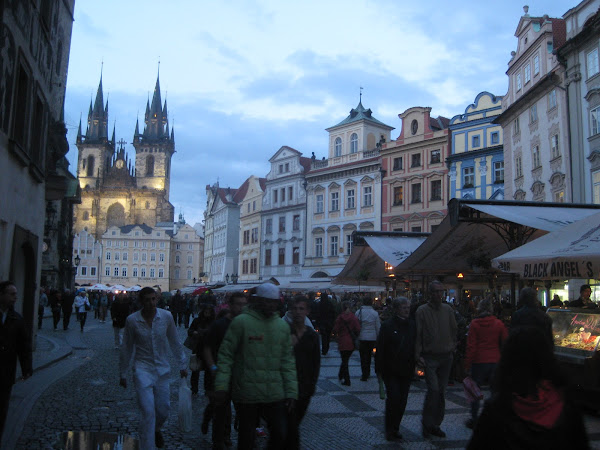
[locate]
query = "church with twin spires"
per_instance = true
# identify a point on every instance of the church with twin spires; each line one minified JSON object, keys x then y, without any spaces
{"x":116,"y":191}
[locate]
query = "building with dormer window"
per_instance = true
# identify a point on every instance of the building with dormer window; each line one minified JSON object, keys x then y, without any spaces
{"x":250,"y":200}
{"x":284,"y":216}
{"x":343,"y":192}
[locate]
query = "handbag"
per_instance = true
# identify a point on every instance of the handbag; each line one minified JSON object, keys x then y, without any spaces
{"x":87,"y":306}
{"x":195,"y":363}
{"x":353,"y":336}
{"x":185,"y":406}
{"x":472,"y":391}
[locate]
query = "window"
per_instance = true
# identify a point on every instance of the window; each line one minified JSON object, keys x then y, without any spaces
{"x":338,"y":147}
{"x":145,"y":244}
{"x":152,"y":256}
{"x":248,"y":207}
{"x":116,"y":272}
{"x":434,"y":227}
{"x":333,"y":246}
{"x":348,"y":244}
{"x":559,"y":197}
{"x":533,"y":117}
{"x":280,"y":168}
{"x":123,"y":271}
{"x":108,"y":256}
{"x":592,"y":63}
{"x":354,"y":143}
{"x":150,"y":166}
{"x":84,"y":271}
{"x":107,"y":271}
{"x":21,"y":122}
{"x":495,"y":138}
{"x":281,"y":257}
{"x":398,"y":195}
{"x":435,"y":156}
{"x":595,"y":116}
{"x":109,"y":243}
{"x":468,"y":177}
{"x":125,"y":244}
{"x":136,"y":256}
{"x":152,"y":273}
{"x":275,"y":194}
{"x":282,"y":195}
{"x":90,"y":166}
{"x":319,"y":203}
{"x":153,"y":244}
{"x":296,"y":222}
{"x":335,"y":201}
{"x":253,"y":205}
{"x":518,"y":167}
{"x":527,"y":73}
{"x":161,"y":273}
{"x":287,"y":167}
{"x":190,"y":259}
{"x":246,"y":238}
{"x":554,"y":146}
{"x":117,"y":256}
{"x":253,"y":265}
{"x":552,"y":99}
{"x":267,"y":257}
{"x":296,"y":255}
{"x":144,"y":256}
{"x":398,"y":163}
{"x":535,"y":157}
{"x":416,"y":193}
{"x":162,"y":245}
{"x":177,"y":258}
{"x":516,"y":126}
{"x":143,"y":272}
{"x":254,"y":235}
{"x":125,"y":256}
{"x":282,"y":224}
{"x":161,"y":257}
{"x":176,"y":273}
{"x":596,"y":187}
{"x":536,"y":65}
{"x":319,"y":246}
{"x":476,"y":141}
{"x":135,"y":271}
{"x":269,"y":226}
{"x":367,"y":196}
{"x":519,"y":82}
{"x":290,"y":193}
{"x":245,"y":266}
{"x":92,"y":271}
{"x":416,"y":229}
{"x":499,"y":172}
{"x":350,"y":199}
{"x":436,"y":189}
{"x":415,"y":160}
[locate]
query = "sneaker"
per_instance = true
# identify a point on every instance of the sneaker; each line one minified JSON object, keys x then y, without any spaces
{"x":260,"y":432}
{"x":159,"y":441}
{"x":437,"y":431}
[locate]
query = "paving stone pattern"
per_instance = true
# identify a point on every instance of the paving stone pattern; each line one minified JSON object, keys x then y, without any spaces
{"x":89,"y":398}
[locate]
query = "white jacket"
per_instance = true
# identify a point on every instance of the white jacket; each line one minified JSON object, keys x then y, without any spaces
{"x":80,"y":302}
{"x":369,"y":323}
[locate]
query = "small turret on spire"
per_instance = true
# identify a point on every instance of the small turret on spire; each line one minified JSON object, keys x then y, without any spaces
{"x":79,"y":131}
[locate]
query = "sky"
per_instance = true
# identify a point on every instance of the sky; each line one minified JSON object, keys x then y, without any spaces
{"x":242,"y":78}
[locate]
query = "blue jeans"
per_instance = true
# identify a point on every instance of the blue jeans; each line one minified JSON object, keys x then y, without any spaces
{"x":481,"y":373}
{"x":437,"y":372}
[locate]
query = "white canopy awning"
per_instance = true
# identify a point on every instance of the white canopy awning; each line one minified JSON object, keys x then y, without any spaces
{"x":573,"y":251}
{"x":394,"y":250}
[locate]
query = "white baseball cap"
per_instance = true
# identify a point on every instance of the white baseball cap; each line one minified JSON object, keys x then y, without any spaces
{"x":268,"y":290}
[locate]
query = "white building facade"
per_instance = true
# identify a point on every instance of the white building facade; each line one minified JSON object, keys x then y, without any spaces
{"x":89,"y":251}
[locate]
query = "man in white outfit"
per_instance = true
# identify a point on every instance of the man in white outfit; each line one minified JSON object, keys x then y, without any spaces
{"x":369,"y":330}
{"x":147,"y":332}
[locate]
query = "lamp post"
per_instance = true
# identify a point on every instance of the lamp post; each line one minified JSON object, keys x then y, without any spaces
{"x":234,"y":278}
{"x":77,"y":261}
{"x":227,"y":279}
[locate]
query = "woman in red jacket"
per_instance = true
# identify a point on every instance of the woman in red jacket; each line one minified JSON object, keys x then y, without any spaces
{"x":485,"y":337}
{"x":345,"y":324}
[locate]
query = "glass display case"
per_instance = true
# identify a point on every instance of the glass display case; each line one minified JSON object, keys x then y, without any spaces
{"x":576,"y":333}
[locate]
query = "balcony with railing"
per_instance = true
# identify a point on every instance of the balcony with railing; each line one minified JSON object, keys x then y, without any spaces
{"x":344,"y":159}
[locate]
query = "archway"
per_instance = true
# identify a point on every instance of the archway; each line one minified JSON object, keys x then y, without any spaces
{"x":115,"y":216}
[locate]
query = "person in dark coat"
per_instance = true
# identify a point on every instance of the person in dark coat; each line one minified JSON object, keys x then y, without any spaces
{"x":584,"y":301}
{"x":67,"y":308}
{"x":531,"y":406}
{"x":15,"y":342}
{"x":308,"y":364}
{"x":119,"y":310}
{"x":55,"y":306}
{"x":326,"y":320}
{"x":345,"y":326}
{"x":395,"y":363}
{"x":530,"y":314}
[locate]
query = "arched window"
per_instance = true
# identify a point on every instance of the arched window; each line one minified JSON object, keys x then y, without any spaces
{"x":150,"y":166}
{"x":354,"y":143}
{"x":338,"y":147}
{"x":115,"y":216}
{"x":90,"y":166}
{"x":86,"y":215}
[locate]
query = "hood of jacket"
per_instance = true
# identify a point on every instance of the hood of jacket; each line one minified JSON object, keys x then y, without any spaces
{"x":543,"y":409}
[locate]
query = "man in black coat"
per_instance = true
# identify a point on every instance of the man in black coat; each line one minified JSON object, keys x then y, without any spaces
{"x":67,"y":308}
{"x":530,"y":314}
{"x":326,"y":320}
{"x":395,"y":363}
{"x":15,"y":341}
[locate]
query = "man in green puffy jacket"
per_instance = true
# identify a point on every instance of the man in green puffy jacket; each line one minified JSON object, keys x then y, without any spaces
{"x":257,"y":364}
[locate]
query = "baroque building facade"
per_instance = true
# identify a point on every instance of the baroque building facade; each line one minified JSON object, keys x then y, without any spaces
{"x":476,"y":160}
{"x":36,"y":39}
{"x":284,"y":216}
{"x":115,"y":190}
{"x":534,"y":118}
{"x":343,"y":192}
{"x":415,"y":186}
{"x":580,"y":56}
{"x":250,"y":202}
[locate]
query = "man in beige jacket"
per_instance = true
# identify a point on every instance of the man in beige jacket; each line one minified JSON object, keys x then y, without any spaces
{"x":436,"y":342}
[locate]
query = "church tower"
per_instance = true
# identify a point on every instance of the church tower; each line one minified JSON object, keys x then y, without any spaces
{"x":154,"y":147}
{"x":95,"y":149}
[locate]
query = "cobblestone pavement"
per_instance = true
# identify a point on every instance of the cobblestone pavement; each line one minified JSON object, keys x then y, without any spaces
{"x":81,"y":392}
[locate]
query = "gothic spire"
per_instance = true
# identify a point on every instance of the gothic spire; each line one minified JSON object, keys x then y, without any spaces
{"x":98,"y":117}
{"x":156,"y":116}
{"x":79,"y":131}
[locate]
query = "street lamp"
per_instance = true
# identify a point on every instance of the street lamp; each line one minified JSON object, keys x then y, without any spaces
{"x":77,"y":261}
{"x":234,"y":278}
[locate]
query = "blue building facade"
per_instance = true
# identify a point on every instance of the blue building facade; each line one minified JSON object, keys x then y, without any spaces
{"x":476,"y":161}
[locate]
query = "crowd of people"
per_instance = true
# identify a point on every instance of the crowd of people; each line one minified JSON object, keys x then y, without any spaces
{"x":261,"y":351}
